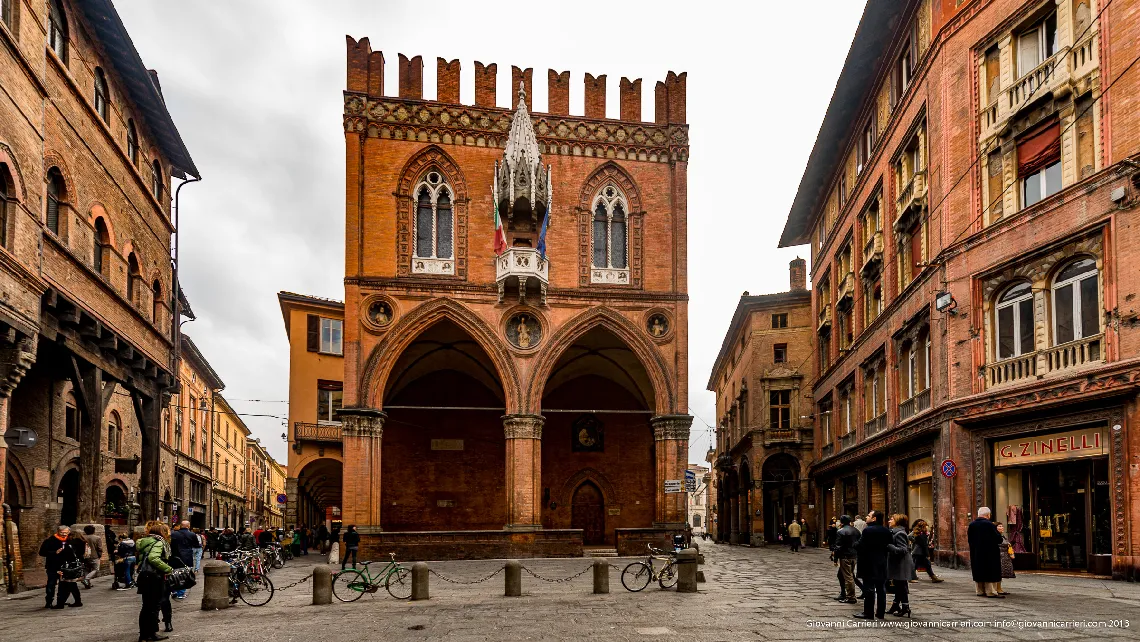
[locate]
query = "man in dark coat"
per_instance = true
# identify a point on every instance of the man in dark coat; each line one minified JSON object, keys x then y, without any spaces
{"x":182,"y":543}
{"x":55,"y":553}
{"x":985,"y":558}
{"x":872,"y":567}
{"x":227,"y":541}
{"x":845,"y":554}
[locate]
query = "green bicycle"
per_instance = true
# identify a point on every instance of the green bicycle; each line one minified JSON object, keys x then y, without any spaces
{"x":349,"y":585}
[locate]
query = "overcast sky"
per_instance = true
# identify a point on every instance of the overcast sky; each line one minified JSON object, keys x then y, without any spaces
{"x":254,"y":87}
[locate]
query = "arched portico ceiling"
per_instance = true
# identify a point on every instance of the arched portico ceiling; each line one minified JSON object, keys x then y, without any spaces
{"x":322,"y":479}
{"x":599,"y":353}
{"x":443,"y":346}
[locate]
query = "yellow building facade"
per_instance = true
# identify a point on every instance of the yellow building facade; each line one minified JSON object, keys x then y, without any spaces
{"x":229,"y":467}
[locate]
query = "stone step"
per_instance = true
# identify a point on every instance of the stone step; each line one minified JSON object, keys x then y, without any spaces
{"x":599,"y":552}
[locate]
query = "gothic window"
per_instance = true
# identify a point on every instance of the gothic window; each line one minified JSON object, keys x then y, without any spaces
{"x":57,"y":29}
{"x":132,"y":142}
{"x":101,"y":105}
{"x":115,"y":434}
{"x":155,"y":301}
{"x":55,"y":196}
{"x":1076,"y":302}
{"x":156,"y":178}
{"x":102,"y":245}
{"x":7,"y":195}
{"x":609,"y":230}
{"x":434,"y":225}
{"x":1014,"y":321}
{"x":133,"y":278}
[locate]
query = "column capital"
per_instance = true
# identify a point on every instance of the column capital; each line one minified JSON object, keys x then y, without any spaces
{"x":523,"y":426}
{"x":671,"y":427}
{"x":362,"y":422}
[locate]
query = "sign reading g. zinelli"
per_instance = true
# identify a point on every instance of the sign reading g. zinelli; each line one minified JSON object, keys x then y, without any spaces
{"x":1072,"y":444}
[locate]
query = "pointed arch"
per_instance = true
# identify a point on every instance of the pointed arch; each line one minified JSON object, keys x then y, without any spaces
{"x":15,"y":174}
{"x":430,"y":157}
{"x":610,"y":173}
{"x":623,"y":329}
{"x":404,"y":332}
{"x":609,"y":493}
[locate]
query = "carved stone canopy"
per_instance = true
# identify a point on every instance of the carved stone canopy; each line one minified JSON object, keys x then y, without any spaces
{"x":521,"y":175}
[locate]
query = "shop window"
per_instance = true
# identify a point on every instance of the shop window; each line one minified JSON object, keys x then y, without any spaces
{"x":1014,"y":321}
{"x":1076,"y":302}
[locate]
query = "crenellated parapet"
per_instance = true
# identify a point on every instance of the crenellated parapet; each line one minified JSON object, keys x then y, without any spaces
{"x":408,"y":116}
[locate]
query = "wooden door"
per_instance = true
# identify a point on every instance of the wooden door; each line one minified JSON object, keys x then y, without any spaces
{"x":588,"y":512}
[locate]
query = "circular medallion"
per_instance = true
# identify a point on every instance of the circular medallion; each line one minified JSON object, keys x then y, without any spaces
{"x":377,"y":313}
{"x":657,"y":325}
{"x":523,"y":330}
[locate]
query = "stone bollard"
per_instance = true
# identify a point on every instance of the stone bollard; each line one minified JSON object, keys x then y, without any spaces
{"x":700,"y":576}
{"x":687,"y":571}
{"x":513,"y":579}
{"x":419,"y":581}
{"x":215,"y":585}
{"x":322,"y":585}
{"x":601,"y":576}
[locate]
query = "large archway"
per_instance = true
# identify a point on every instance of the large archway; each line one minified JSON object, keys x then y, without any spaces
{"x":780,"y":477}
{"x":319,"y":490}
{"x":597,"y":401}
{"x":443,"y":452}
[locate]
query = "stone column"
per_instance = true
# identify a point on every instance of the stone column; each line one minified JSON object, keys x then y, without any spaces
{"x":523,"y":435}
{"x":292,"y":502}
{"x":362,"y":431}
{"x":671,"y":437}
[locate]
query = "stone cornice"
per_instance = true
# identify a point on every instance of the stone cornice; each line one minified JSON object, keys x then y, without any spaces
{"x":433,"y":122}
{"x":430,"y":287}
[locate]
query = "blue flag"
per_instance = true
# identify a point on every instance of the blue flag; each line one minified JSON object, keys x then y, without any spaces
{"x":542,"y":235}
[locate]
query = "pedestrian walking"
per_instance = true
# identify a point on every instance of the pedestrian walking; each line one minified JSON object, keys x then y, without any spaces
{"x":245,"y":539}
{"x":183,"y":542}
{"x":794,"y":536}
{"x":212,"y":541}
{"x":92,"y":553}
{"x":55,"y":552}
{"x":1005,"y":552}
{"x":351,"y":544}
{"x":859,"y":523}
{"x":323,"y":539}
{"x":985,"y":562}
{"x":198,"y":550}
{"x":900,"y":566}
{"x":920,"y":549}
{"x":72,"y":573}
{"x":872,"y":567}
{"x":154,"y":554}
{"x":832,"y":529}
{"x":845,"y":555}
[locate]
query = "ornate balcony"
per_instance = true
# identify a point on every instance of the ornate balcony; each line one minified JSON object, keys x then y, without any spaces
{"x":1065,"y":70}
{"x":914,"y":405}
{"x":873,"y":253}
{"x":824,"y":318}
{"x":875,"y":425}
{"x":520,"y":268}
{"x":847,"y":441}
{"x":1012,"y":370}
{"x":846,"y":290}
{"x":911,"y":201}
{"x":1074,"y":353}
{"x":316,"y":432}
{"x":776,"y":436}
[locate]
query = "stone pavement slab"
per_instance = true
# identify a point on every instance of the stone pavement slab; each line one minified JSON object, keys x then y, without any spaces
{"x":751,"y":594}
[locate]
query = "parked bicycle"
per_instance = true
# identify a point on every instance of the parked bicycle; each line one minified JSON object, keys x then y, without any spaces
{"x":273,"y":556}
{"x":639,"y":574}
{"x":350,"y":584}
{"x":248,"y":580}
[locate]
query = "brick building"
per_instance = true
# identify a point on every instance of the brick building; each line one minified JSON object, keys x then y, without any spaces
{"x":965,"y":202}
{"x":763,"y":401}
{"x":256,"y":500}
{"x":87,"y":155}
{"x":525,"y":394}
{"x":229,"y":485}
{"x":186,"y":473}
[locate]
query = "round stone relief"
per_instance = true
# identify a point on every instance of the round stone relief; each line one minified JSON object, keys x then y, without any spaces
{"x":658,"y":326}
{"x":378,"y":313}
{"x":523,"y":330}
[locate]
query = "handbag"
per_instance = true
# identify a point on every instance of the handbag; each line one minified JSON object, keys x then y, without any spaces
{"x":72,"y":570}
{"x":181,"y":579}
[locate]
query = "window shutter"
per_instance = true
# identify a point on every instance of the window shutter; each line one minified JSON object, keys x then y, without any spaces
{"x":53,"y":214}
{"x":314,"y":334}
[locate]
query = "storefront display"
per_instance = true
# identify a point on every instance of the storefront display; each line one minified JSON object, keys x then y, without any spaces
{"x":1051,"y":491}
{"x":877,"y":492}
{"x":920,"y":490}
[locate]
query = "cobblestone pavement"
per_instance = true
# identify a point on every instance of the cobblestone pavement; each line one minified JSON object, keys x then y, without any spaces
{"x":751,"y":594}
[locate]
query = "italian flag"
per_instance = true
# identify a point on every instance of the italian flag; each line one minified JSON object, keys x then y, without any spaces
{"x":500,"y":235}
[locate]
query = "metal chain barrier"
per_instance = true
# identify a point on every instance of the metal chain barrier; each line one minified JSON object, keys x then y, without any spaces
{"x":556,"y":581}
{"x":300,"y":581}
{"x":480,"y":581}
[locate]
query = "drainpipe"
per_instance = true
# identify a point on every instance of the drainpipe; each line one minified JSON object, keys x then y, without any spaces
{"x":175,"y":325}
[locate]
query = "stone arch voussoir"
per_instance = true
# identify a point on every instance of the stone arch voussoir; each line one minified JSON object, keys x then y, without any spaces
{"x":609,"y":493}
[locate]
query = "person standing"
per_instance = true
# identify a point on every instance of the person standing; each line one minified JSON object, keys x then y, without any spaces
{"x":794,"y":536}
{"x":900,"y":566}
{"x":985,"y":562}
{"x":803,"y":532}
{"x":125,"y":553}
{"x":227,"y":541}
{"x":1005,"y":553}
{"x":55,"y":552}
{"x":872,"y":567}
{"x":183,"y":542}
{"x":323,"y":539}
{"x":920,"y":553}
{"x":859,"y":524}
{"x":212,"y":541}
{"x":351,"y":545}
{"x":845,"y":540}
{"x":154,"y":553}
{"x":198,"y":550}
{"x":92,"y":553}
{"x":832,"y":529}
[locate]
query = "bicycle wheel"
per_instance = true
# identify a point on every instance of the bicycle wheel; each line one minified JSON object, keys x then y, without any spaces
{"x":636,"y":576}
{"x":399,"y":583}
{"x":349,"y":586}
{"x":256,"y":590}
{"x":277,"y":561}
{"x":668,"y":576}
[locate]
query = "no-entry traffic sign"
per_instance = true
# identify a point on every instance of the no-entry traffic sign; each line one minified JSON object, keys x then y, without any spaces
{"x":949,"y":468}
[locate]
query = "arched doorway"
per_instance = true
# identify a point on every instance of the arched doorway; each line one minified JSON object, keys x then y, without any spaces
{"x":318,"y":490}
{"x":68,"y":496}
{"x":597,"y":402}
{"x":116,"y":510}
{"x":443,"y":455}
{"x":588,"y":512}
{"x":780,"y":475}
{"x":12,"y":495}
{"x":744,"y":492}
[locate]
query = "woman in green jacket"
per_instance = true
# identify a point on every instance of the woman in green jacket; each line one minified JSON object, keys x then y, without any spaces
{"x":153,"y":553}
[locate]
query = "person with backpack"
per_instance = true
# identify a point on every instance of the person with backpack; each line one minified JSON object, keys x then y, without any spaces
{"x":153,"y":553}
{"x":92,"y":553}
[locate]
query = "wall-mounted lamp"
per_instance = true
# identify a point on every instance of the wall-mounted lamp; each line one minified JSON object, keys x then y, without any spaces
{"x":944,"y":302}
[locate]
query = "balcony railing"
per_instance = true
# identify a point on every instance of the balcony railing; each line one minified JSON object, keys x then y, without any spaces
{"x":1083,"y":57}
{"x":1035,"y":83}
{"x":911,"y":199}
{"x":1010,"y":370}
{"x":781,"y":436}
{"x":875,"y":425}
{"x":825,"y":317}
{"x":914,"y":405}
{"x":847,"y":441}
{"x":518,"y":266}
{"x":316,"y":432}
{"x":873,"y":252}
{"x":826,"y":451}
{"x":846,"y":289}
{"x":1074,"y":353}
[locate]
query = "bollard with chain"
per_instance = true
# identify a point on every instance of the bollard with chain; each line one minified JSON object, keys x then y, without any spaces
{"x":216,"y":585}
{"x":601,"y":576}
{"x":513,"y":579}
{"x":322,"y":585}
{"x":419,"y":581}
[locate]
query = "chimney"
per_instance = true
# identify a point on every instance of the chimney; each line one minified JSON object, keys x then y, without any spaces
{"x":797,"y":274}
